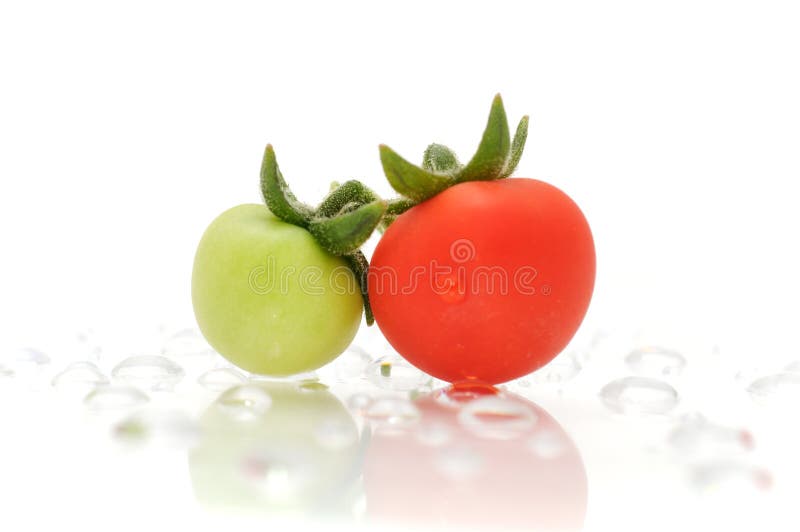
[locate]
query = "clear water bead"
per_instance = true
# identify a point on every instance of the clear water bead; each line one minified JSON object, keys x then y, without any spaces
{"x":80,"y":377}
{"x":220,"y":379}
{"x":359,"y":403}
{"x":149,"y":371}
{"x":245,"y":403}
{"x":730,"y":477}
{"x":306,"y":376}
{"x":561,"y":369}
{"x":25,"y":362}
{"x":781,"y":388}
{"x":456,"y":396}
{"x":394,"y":373}
{"x":187,"y":343}
{"x":114,"y":397}
{"x":497,"y":418}
{"x":392,"y":411}
{"x":696,"y":436}
{"x":351,"y":364}
{"x":655,"y":362}
{"x":311,"y":386}
{"x":639,"y":395}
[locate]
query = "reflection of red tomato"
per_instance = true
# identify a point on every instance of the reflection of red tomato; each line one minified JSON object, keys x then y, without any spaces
{"x":486,"y":280}
{"x":443,"y":472}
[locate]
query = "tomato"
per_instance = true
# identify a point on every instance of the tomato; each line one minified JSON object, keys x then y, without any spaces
{"x":268,"y":297}
{"x":486,"y":280}
{"x":278,"y":289}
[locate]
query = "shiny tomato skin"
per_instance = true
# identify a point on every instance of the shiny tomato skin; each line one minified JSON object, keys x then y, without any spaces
{"x":488,"y":280}
{"x":264,"y":294}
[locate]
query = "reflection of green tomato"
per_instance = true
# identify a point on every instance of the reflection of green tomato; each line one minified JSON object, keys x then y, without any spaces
{"x":268,"y":298}
{"x":300,"y":455}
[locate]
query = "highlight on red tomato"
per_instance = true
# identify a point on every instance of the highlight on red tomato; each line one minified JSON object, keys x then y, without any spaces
{"x":479,"y":276}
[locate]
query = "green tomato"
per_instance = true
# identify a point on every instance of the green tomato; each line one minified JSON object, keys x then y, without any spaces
{"x":268,"y":298}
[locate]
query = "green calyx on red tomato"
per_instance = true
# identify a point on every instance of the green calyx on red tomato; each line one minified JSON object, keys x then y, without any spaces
{"x":497,"y":157}
{"x":489,"y":277}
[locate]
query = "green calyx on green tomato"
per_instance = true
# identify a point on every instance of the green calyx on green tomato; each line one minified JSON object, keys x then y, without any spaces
{"x":279,"y":289}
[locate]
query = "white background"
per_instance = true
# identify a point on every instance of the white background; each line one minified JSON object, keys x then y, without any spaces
{"x":125,"y":128}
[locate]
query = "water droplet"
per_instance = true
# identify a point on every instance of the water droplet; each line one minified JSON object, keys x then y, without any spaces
{"x":730,"y":477}
{"x":149,"y":371}
{"x":25,"y":362}
{"x":562,"y":368}
{"x":28,"y":356}
{"x":245,"y":403}
{"x":79,"y":377}
{"x":547,"y":444}
{"x":168,"y":428}
{"x":221,"y":379}
{"x":114,"y":397}
{"x":335,"y":434}
{"x":311,"y":386}
{"x":393,"y":373}
{"x":351,"y":364}
{"x":696,"y":436}
{"x":359,"y":403}
{"x":6,"y":372}
{"x":459,"y":394}
{"x":187,"y":343}
{"x":781,"y":388}
{"x":392,"y":412}
{"x":655,"y":362}
{"x":497,"y":418}
{"x":639,"y":395}
{"x":306,"y":376}
{"x":459,"y":463}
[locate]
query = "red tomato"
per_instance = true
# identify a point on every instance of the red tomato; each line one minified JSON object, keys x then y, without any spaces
{"x":488,"y":280}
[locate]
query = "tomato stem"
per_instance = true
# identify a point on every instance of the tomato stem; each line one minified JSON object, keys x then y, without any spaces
{"x":497,"y":157}
{"x":342,"y":222}
{"x":277,"y":195}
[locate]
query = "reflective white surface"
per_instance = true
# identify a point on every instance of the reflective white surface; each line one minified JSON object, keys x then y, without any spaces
{"x":338,"y":449}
